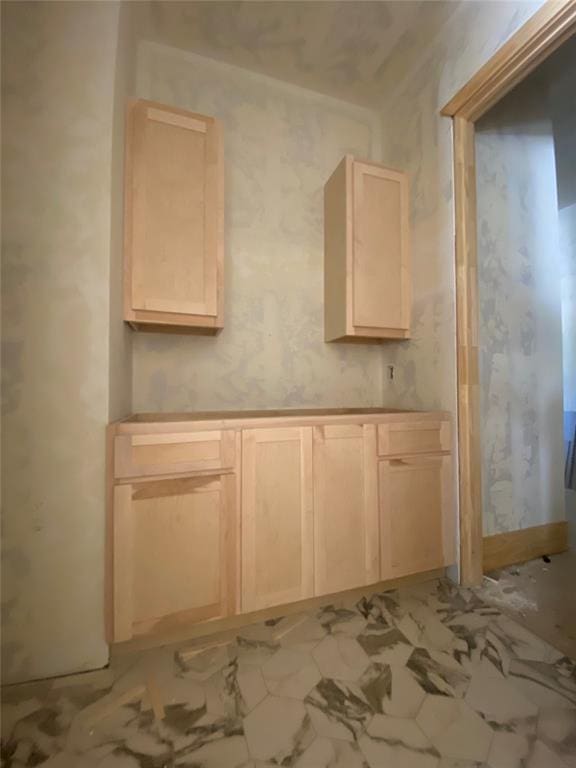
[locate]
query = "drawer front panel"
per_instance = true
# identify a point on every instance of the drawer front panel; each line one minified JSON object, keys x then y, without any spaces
{"x":411,"y":438}
{"x":160,"y":454}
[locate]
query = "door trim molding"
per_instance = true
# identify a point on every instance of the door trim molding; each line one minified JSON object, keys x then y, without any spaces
{"x":540,"y":36}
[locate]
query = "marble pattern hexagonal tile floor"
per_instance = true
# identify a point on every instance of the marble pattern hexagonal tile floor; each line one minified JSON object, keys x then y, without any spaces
{"x":423,"y":677}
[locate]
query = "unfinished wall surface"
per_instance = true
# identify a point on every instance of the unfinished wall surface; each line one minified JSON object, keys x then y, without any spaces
{"x":567,"y":223}
{"x":120,"y":334}
{"x":58,"y":88}
{"x":561,"y":69}
{"x":433,"y":60}
{"x":520,"y":313}
{"x":281,"y":145}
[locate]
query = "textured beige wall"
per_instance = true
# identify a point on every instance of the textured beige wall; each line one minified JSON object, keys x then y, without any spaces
{"x":281,"y":144}
{"x":422,"y":75}
{"x":120,"y":334}
{"x":58,"y":78}
{"x":65,"y":355}
{"x":520,"y":330}
{"x":432,"y":61}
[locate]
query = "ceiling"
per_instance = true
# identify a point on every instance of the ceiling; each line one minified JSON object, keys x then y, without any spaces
{"x":337,"y":48}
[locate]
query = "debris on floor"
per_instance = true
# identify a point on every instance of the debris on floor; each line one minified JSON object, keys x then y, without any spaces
{"x":540,"y":595}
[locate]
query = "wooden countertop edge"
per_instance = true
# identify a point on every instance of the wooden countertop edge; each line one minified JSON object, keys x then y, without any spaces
{"x":224,"y":421}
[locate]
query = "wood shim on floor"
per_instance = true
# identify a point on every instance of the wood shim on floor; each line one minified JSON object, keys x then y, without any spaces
{"x":185,"y":654}
{"x":108,"y":704}
{"x":289,"y":625}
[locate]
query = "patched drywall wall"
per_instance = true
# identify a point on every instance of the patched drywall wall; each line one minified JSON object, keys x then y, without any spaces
{"x":58,"y":83}
{"x":431,"y":62}
{"x":120,"y":334}
{"x":335,"y":48}
{"x":520,"y":331}
{"x":561,"y":68}
{"x":66,"y":355}
{"x":281,"y":145}
{"x":567,"y":223}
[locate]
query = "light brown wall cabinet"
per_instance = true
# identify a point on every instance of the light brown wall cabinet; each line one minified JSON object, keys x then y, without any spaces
{"x":214,"y":515}
{"x":367,"y":280}
{"x":173,"y":220}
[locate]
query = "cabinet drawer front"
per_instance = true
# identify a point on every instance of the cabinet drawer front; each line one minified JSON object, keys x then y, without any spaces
{"x":144,"y":455}
{"x":410,"y":438}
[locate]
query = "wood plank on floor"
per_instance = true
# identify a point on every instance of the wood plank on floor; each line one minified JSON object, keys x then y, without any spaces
{"x":527,"y":544}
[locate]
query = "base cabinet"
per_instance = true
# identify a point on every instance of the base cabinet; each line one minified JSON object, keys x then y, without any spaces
{"x":174,"y":553}
{"x":218,"y":518}
{"x":277,"y":517}
{"x":345,"y":507}
{"x":414,"y":507}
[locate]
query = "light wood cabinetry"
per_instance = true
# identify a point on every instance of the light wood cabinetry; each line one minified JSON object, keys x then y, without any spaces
{"x":416,"y":524}
{"x":217,"y":514}
{"x":277,"y":522}
{"x":367,"y":288}
{"x":163,"y":454}
{"x":173,"y":219}
{"x":174,"y":553}
{"x":345,"y":507}
{"x":403,"y":438}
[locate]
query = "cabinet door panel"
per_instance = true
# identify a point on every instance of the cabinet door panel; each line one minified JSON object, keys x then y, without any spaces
{"x":414,"y":514}
{"x":276,"y":516}
{"x":174,"y":553}
{"x":381,"y":293}
{"x":173,"y":214}
{"x":345,"y":507}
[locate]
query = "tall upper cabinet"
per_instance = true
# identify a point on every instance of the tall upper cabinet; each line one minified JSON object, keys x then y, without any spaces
{"x":367,"y":291}
{"x":174,"y":213}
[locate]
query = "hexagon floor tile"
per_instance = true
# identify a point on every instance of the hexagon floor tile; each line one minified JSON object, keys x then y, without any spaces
{"x":429,"y":677}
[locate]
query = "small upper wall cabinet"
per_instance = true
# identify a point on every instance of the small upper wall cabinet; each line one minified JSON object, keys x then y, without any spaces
{"x":367,"y":293}
{"x":173,"y":220}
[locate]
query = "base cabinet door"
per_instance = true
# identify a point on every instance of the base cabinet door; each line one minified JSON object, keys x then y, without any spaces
{"x":277,"y":526}
{"x":414,"y":511}
{"x":174,"y":553}
{"x":345,"y":507}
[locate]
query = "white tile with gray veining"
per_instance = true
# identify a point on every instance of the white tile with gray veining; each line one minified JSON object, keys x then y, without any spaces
{"x":458,"y":686}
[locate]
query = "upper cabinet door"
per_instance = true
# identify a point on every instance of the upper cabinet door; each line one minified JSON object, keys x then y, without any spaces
{"x":367,"y":260}
{"x":277,"y":516}
{"x":346,"y":531}
{"x":173,"y":219}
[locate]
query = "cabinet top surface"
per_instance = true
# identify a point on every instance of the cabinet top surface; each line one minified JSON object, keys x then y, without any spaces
{"x":165,"y":421}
